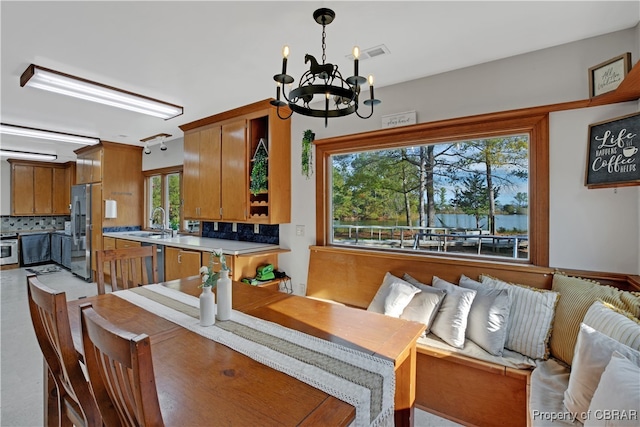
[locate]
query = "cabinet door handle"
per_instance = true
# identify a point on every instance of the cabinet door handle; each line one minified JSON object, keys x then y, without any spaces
{"x":179,"y":258}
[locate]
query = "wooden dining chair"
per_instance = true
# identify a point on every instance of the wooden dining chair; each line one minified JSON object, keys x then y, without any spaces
{"x":127,"y":267}
{"x":120,"y":372}
{"x":48,"y":308}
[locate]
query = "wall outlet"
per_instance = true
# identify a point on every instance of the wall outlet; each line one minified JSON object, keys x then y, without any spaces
{"x":215,"y":226}
{"x":234,"y":227}
{"x":256,"y":228}
{"x":299,"y":230}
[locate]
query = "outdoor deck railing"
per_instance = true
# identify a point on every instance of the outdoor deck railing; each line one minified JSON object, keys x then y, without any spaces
{"x":439,"y":237}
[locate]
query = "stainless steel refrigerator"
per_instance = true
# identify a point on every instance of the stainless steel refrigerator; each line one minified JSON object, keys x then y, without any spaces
{"x":81,"y":231}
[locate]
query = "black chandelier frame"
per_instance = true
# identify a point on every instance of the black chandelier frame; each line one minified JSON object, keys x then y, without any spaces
{"x":322,"y":79}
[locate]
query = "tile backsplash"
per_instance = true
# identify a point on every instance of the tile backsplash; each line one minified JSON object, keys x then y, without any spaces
{"x":245,"y":232}
{"x":31,"y":223}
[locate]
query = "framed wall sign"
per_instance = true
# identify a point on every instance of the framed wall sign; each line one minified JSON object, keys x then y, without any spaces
{"x":399,"y":119}
{"x":613,"y":158}
{"x":607,"y":76}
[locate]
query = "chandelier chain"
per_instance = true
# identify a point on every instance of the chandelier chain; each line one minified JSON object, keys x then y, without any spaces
{"x":324,"y":45}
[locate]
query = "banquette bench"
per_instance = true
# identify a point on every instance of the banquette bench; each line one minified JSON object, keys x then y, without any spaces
{"x":461,"y":388}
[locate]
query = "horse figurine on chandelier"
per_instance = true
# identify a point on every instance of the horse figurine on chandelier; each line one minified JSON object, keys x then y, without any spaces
{"x":323,"y":71}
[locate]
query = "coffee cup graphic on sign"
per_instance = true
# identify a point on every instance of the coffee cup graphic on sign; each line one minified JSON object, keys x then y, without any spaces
{"x":629,"y":151}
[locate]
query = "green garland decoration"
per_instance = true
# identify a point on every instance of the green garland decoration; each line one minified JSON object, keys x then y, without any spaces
{"x":307,"y":153}
{"x":259,"y":171}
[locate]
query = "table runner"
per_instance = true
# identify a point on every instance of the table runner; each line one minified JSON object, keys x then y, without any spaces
{"x":365,"y":381}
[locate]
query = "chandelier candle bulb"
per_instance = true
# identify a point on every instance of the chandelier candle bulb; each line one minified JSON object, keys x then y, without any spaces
{"x":356,"y":60}
{"x":285,"y":54}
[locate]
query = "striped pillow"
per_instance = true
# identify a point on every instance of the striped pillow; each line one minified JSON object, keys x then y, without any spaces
{"x":576,"y":296}
{"x":615,"y":323}
{"x":530,"y":317}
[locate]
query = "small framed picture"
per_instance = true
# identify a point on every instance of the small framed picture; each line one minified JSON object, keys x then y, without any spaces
{"x":607,"y":76}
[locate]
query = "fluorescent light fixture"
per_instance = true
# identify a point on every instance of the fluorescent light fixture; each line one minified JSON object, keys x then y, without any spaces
{"x":47,"y":134}
{"x":55,"y":81}
{"x":27,"y":156}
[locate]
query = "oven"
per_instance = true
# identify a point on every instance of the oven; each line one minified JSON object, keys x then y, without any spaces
{"x":9,"y":249}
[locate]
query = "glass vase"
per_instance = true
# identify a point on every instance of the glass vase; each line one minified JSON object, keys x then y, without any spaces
{"x":207,"y":307}
{"x":224,"y":296}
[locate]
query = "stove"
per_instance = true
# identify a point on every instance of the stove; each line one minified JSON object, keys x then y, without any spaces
{"x":8,"y":248}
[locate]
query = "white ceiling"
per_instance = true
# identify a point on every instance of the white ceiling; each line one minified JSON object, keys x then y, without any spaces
{"x":211,"y":56}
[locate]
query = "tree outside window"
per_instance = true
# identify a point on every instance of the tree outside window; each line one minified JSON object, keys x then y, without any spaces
{"x":435,"y":197}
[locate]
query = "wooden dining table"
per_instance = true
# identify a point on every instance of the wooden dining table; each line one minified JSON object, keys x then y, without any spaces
{"x":202,"y":382}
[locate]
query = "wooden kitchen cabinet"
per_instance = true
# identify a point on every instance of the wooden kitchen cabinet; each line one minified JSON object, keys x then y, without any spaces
{"x":201,"y":174}
{"x":89,"y":164}
{"x":39,"y":188}
{"x":61,"y":191}
{"x":233,"y":173}
{"x":180,"y":263}
{"x":227,"y":183}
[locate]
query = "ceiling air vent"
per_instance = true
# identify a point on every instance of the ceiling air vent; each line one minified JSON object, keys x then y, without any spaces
{"x":371,"y":52}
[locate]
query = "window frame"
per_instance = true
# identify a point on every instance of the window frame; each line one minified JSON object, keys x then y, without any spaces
{"x":535,"y":124}
{"x":163,"y":173}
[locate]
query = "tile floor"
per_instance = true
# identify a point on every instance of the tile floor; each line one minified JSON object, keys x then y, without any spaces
{"x":21,"y":389}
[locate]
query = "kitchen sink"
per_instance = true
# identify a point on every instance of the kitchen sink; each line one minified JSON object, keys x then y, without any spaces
{"x":149,"y":234}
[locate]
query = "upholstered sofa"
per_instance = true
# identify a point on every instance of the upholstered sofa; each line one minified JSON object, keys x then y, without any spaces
{"x":464,"y":382}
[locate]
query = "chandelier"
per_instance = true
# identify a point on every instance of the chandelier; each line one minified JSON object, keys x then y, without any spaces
{"x":340,"y":95}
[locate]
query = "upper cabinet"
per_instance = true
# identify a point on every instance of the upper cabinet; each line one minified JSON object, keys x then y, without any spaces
{"x":220,"y":156}
{"x":39,"y":188}
{"x":118,"y":167}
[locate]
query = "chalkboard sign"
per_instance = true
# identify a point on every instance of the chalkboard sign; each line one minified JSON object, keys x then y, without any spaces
{"x":614,"y":153}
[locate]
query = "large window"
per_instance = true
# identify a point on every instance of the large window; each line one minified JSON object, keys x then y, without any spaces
{"x":164,"y":190}
{"x":475,"y":187}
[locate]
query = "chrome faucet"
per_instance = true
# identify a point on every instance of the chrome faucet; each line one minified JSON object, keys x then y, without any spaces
{"x":163,"y":226}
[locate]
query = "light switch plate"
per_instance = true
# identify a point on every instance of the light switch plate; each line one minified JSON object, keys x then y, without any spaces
{"x":299,"y":230}
{"x":234,"y":227}
{"x":215,"y":226}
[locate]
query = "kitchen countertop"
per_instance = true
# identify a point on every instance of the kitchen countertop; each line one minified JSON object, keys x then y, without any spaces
{"x":203,"y":244}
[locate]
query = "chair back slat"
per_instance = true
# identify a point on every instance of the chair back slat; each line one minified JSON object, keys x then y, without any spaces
{"x":127,"y":267}
{"x":121,"y":372}
{"x":50,"y":318}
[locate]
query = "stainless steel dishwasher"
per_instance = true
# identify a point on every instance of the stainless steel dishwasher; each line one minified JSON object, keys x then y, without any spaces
{"x":160,"y":256}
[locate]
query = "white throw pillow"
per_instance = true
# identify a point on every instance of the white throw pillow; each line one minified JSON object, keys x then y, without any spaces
{"x":400,"y":294}
{"x":377,"y":304}
{"x":530,"y":317}
{"x":614,"y":323}
{"x":424,"y":306}
{"x":616,"y":401}
{"x":591,"y":356}
{"x":451,"y":322}
{"x":489,"y":316}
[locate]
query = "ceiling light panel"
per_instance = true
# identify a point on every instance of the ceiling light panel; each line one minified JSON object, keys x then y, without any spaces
{"x":26,"y":156}
{"x":47,"y":134}
{"x":65,"y":84}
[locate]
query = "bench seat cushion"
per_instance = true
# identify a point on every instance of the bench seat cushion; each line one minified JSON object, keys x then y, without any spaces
{"x":509,"y":358}
{"x":549,"y":381}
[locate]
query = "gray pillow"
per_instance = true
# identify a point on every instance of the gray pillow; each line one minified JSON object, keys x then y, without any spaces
{"x":451,"y":322}
{"x":424,"y":306}
{"x":489,"y":316}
